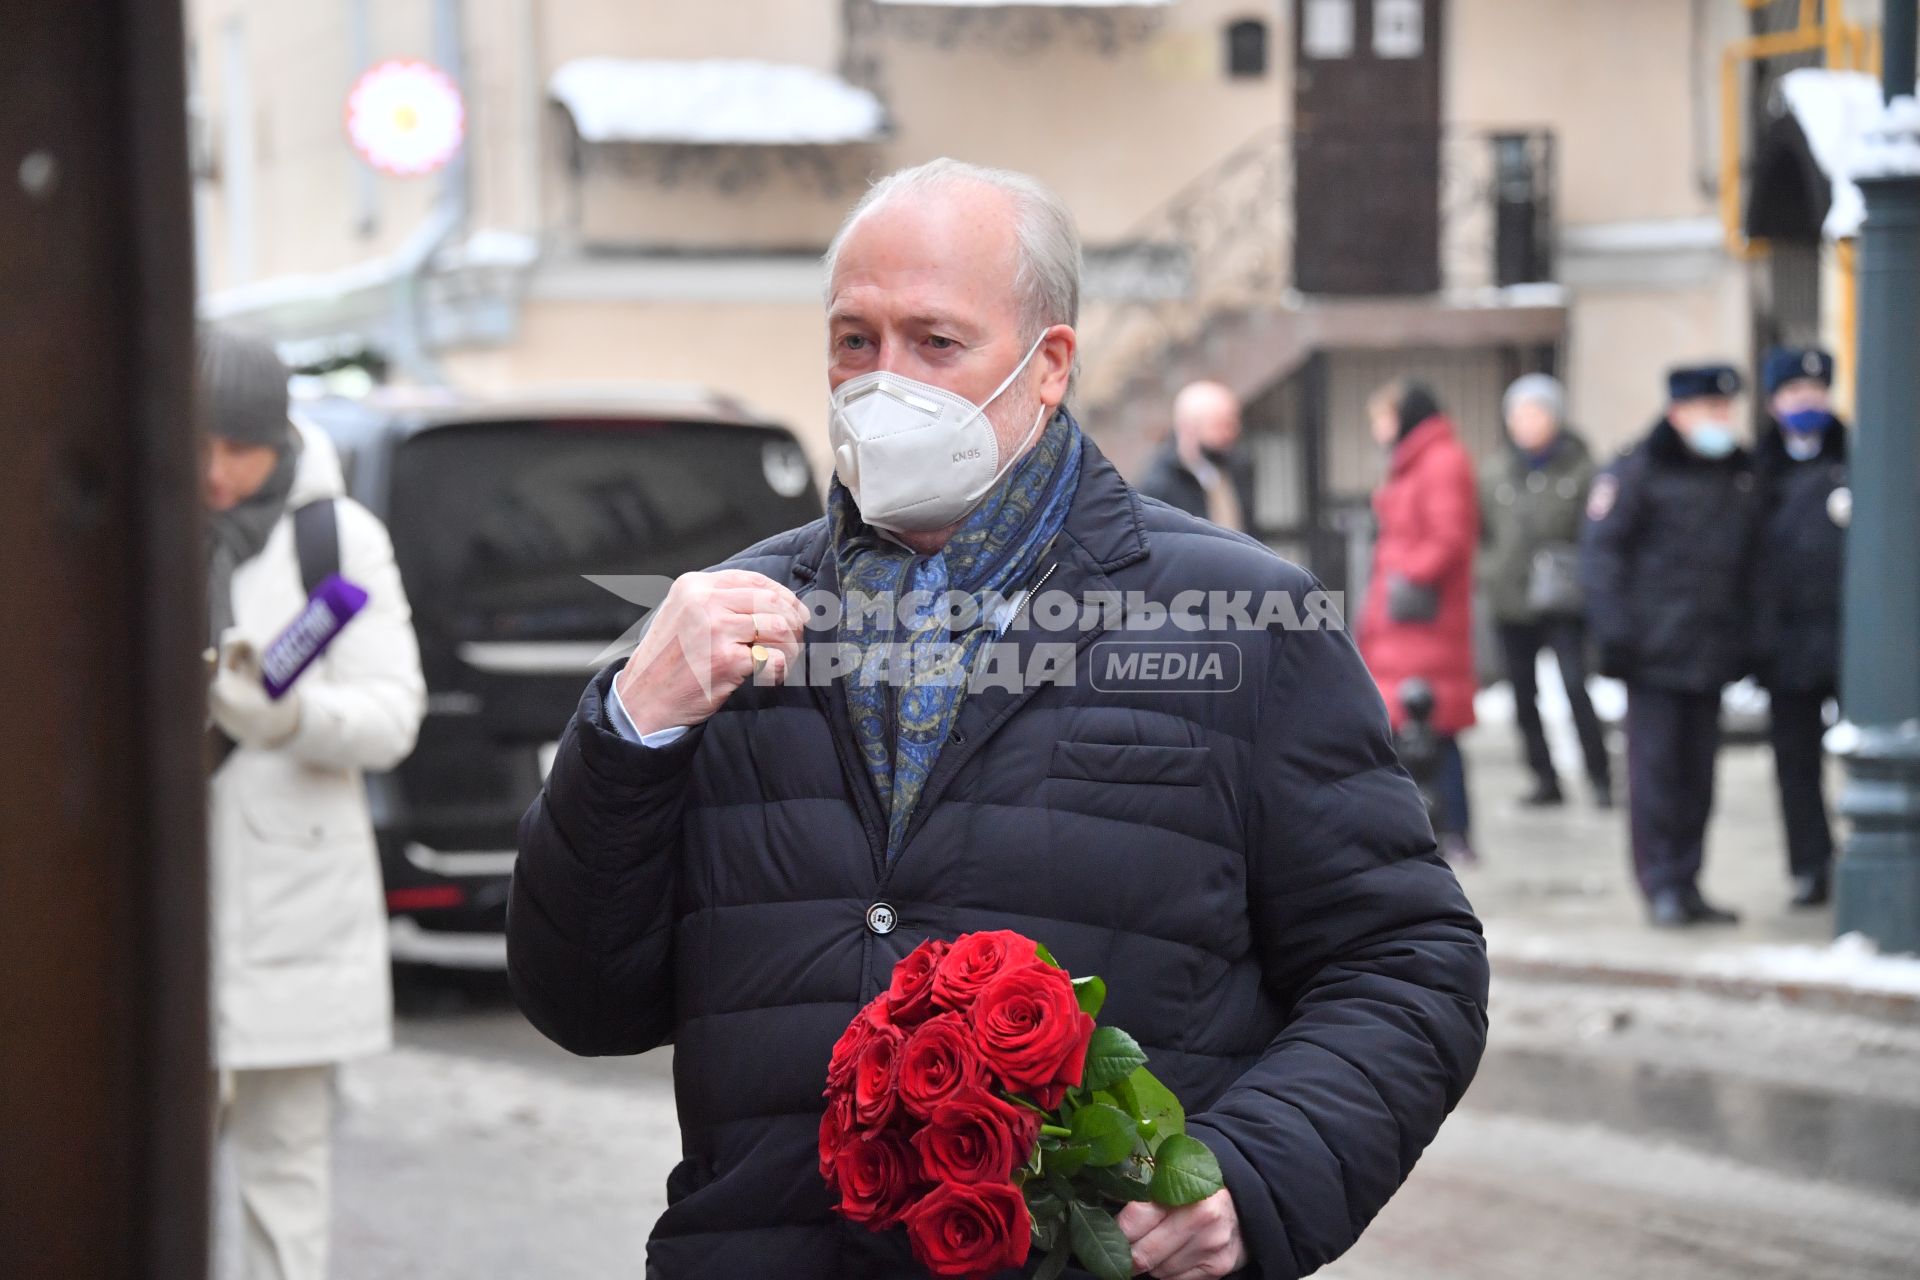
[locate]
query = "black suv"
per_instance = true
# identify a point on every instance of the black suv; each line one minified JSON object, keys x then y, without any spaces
{"x":499,"y":509}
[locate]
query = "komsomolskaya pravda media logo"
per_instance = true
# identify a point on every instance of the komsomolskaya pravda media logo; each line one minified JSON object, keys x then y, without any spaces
{"x":1141,"y":644}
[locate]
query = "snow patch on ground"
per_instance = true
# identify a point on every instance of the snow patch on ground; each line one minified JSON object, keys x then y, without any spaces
{"x":1851,"y":962}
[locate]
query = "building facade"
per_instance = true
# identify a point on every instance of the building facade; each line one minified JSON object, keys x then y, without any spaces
{"x":1302,"y":198}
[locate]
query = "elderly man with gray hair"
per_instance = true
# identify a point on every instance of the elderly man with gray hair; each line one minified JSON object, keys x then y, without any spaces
{"x":732,"y":851}
{"x":1533,"y":499}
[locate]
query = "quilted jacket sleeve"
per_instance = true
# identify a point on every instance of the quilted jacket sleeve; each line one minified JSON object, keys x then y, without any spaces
{"x":1365,"y":937}
{"x":590,"y":919}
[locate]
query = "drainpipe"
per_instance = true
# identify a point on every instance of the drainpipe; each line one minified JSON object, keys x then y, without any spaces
{"x":1878,"y":876}
{"x":533,"y":101}
{"x":449,"y":214}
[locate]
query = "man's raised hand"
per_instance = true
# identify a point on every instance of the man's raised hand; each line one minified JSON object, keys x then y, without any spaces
{"x":700,"y":644}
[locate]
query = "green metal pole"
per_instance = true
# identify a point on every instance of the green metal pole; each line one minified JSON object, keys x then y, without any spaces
{"x":1878,"y":880}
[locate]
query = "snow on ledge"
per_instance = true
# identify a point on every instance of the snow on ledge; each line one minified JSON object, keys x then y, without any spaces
{"x":728,"y":102}
{"x":1028,"y":4}
{"x":1835,"y":109}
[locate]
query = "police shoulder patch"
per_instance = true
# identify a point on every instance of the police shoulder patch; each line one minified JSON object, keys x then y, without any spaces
{"x":1600,"y":499}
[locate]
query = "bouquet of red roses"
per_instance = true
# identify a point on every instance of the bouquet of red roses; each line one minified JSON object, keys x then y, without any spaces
{"x":976,"y":1103}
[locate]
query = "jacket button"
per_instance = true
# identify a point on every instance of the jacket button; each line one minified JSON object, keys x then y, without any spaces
{"x":881,"y":918}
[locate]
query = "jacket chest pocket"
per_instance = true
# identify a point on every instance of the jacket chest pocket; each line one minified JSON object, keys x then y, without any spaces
{"x":1129,"y":763}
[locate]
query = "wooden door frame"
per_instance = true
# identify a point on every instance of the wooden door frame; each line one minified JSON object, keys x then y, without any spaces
{"x":104,"y":1078}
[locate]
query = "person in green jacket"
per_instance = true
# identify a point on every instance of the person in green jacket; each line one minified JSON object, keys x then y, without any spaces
{"x":1533,"y":496}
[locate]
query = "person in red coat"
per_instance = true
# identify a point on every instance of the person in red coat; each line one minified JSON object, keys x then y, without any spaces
{"x":1418,"y":619}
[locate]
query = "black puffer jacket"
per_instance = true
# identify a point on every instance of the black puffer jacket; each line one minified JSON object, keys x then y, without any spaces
{"x":1799,"y":564}
{"x":1665,"y":560}
{"x":1168,"y":479}
{"x":1252,"y":872}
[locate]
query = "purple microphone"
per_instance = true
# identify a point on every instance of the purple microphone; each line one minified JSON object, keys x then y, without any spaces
{"x":331,"y":606}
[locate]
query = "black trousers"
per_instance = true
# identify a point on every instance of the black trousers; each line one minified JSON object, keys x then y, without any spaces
{"x":1520,"y":645}
{"x":1796,"y":729}
{"x":1672,"y":741}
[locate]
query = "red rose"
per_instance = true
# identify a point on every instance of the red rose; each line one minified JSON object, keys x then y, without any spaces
{"x":939,"y":1061}
{"x":910,"y":994}
{"x":874,"y":1074}
{"x":976,"y":1137}
{"x":836,"y":1128}
{"x":975,"y":1229}
{"x":1028,"y":1025}
{"x":847,"y":1049}
{"x":874,"y":1174}
{"x":974,"y":960}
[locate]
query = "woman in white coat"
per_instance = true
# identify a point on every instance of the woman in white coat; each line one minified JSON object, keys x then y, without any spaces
{"x":301,"y":977}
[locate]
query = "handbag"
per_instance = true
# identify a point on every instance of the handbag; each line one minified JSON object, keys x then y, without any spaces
{"x":1553,"y":581}
{"x":1410,"y":601}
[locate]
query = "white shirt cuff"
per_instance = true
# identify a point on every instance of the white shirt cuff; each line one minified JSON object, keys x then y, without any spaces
{"x":624,"y":726}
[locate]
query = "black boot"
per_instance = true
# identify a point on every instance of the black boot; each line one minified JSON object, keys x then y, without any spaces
{"x":1700,"y":911}
{"x":1545,"y":795}
{"x":1811,"y":890}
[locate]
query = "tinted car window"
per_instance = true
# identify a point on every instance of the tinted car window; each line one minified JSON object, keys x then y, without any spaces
{"x":495,"y":523}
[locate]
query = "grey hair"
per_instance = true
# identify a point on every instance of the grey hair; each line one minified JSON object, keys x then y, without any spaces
{"x":1047,"y":271}
{"x":1542,"y":389}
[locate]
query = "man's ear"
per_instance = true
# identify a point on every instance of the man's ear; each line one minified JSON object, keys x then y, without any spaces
{"x":1058,"y":346}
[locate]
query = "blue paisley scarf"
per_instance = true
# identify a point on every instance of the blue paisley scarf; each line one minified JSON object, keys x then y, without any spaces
{"x":907,"y":690}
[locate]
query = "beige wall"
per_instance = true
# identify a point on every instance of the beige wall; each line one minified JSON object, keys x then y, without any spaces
{"x":1115,"y":132}
{"x":1625,"y":85}
{"x":1617,"y":83}
{"x":1631,"y":93}
{"x":806,"y":32}
{"x":1114,"y":135}
{"x":771,"y":355}
{"x":306,"y":190}
{"x":1622,"y":343}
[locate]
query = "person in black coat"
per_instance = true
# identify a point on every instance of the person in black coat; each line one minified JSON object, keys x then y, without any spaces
{"x":1665,"y":559}
{"x":1202,"y":468}
{"x":1801,"y":463}
{"x":734,"y":847}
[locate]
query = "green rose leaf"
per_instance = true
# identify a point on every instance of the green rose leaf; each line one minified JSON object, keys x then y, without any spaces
{"x":1056,"y":1261}
{"x":1106,"y":1132}
{"x":1044,"y":1203}
{"x":1040,"y":949}
{"x":1067,"y":1161}
{"x":1184,"y":1172}
{"x":1151,"y":1101}
{"x":1098,"y":1241}
{"x":1112,"y":1056}
{"x":1092,"y":993}
{"x":1129,"y":1180}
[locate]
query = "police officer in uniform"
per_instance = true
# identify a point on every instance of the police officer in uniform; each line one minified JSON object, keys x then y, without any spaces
{"x":1801,"y":464}
{"x":1665,"y":558}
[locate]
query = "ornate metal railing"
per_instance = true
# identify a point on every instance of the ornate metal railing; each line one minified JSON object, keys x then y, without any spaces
{"x":1496,"y":208}
{"x":1223,"y":244}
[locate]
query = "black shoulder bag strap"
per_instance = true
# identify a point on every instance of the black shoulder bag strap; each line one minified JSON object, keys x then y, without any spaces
{"x":316,"y":540}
